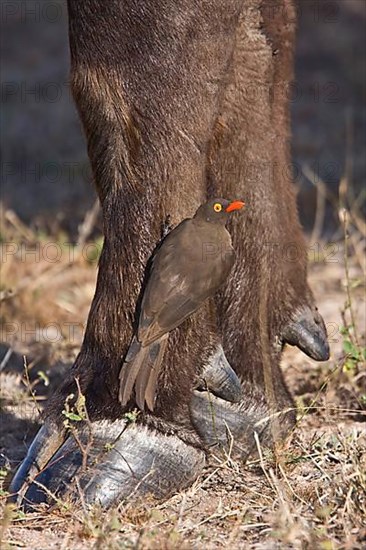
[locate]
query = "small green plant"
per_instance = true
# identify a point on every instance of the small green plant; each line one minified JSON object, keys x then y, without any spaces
{"x":3,"y":473}
{"x":43,"y":377}
{"x":355,"y":354}
{"x":75,"y":412}
{"x":131,"y":416}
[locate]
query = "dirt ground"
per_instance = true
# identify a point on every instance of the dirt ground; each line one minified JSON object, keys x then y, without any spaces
{"x":311,"y":495}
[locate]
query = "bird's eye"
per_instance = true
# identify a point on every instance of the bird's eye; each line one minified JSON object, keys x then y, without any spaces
{"x":217,"y":207}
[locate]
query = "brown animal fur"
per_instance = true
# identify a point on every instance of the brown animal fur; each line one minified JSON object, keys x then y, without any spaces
{"x":164,"y":93}
{"x":252,"y":147}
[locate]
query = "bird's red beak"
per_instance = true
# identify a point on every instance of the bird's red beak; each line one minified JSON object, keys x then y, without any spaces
{"x":235,"y":205}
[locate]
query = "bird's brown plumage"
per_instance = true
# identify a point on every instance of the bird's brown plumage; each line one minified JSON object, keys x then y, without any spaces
{"x":191,"y":264}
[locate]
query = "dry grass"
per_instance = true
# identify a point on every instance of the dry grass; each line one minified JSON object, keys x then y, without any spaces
{"x":47,"y":284}
{"x":312,"y":495}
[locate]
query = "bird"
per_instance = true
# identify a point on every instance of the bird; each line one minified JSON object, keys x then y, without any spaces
{"x":189,"y":266}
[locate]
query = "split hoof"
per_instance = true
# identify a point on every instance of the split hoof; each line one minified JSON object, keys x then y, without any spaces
{"x":120,"y":461}
{"x":111,"y":461}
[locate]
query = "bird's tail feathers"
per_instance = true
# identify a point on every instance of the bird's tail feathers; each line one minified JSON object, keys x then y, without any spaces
{"x":141,"y":369}
{"x":147,"y":377}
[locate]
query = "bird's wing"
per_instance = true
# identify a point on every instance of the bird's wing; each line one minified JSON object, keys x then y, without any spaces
{"x":178,"y":284}
{"x":173,"y":312}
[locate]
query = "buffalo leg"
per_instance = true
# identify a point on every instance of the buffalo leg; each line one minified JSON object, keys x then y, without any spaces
{"x":147,"y":80}
{"x":165,"y":94}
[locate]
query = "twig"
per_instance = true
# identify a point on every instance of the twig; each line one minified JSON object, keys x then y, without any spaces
{"x":344,"y":218}
{"x":57,"y":500}
{"x":321,"y":195}
{"x":216,"y":515}
{"x":6,"y":358}
{"x":313,"y":178}
{"x":261,"y":460}
{"x":85,"y":449}
{"x":29,"y":385}
{"x":24,"y":231}
{"x":86,"y":227}
{"x":315,"y":463}
{"x":290,"y":487}
{"x":323,"y":385}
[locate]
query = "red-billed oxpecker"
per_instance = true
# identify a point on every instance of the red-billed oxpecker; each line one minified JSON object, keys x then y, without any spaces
{"x":191,"y":264}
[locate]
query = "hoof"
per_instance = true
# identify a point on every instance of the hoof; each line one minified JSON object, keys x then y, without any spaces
{"x":219,"y":378}
{"x":118,"y":461}
{"x":231,"y":426}
{"x":110,"y":461}
{"x":307,"y":331}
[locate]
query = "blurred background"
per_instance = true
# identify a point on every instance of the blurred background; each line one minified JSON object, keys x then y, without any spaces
{"x":50,"y":231}
{"x":45,"y":174}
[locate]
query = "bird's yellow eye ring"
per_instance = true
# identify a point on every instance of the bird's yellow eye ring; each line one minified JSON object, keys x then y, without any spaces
{"x":217,"y":207}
